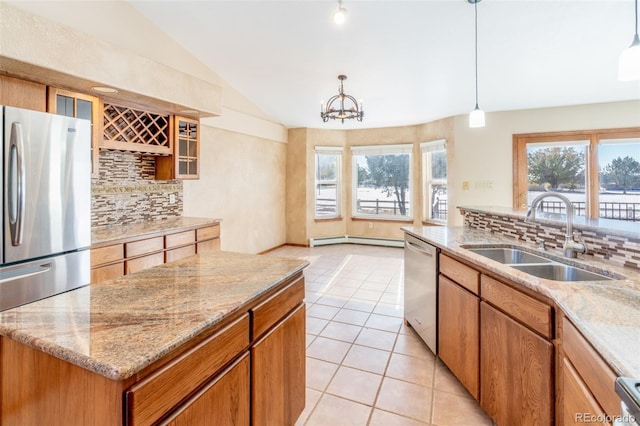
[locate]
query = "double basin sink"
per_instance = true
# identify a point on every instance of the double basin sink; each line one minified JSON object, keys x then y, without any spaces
{"x":535,"y":265}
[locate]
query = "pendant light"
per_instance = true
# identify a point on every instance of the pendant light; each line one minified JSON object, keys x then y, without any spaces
{"x":476,"y":117}
{"x":340,"y":15}
{"x":629,"y":65}
{"x":341,"y":106}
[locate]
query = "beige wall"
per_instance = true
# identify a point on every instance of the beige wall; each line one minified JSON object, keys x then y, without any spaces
{"x":242,"y":181}
{"x":483,"y":157}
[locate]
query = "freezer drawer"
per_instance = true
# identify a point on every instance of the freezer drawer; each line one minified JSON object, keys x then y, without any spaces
{"x":31,"y":281}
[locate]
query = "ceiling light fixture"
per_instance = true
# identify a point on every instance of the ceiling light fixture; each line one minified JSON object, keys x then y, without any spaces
{"x":336,"y":109}
{"x":340,"y":15}
{"x":629,"y":64}
{"x":476,"y":117}
{"x":104,"y":89}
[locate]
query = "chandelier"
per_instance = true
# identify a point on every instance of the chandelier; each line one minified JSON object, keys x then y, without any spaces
{"x":341,"y":106}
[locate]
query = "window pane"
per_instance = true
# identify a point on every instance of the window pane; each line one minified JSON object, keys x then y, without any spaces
{"x":619,"y":165}
{"x":438,"y":197}
{"x":84,"y":109}
{"x":439,"y":165}
{"x":326,"y":167}
{"x":326,"y":196}
{"x":382,"y":185}
{"x":558,"y":168}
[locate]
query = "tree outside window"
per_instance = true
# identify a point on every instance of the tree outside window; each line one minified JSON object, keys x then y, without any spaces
{"x":382,"y":181}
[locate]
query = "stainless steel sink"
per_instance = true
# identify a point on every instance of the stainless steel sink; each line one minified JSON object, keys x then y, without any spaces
{"x":509,"y":255}
{"x":559,"y":272}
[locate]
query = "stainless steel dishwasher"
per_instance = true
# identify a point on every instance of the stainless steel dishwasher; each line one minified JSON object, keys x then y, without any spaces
{"x":420,"y":289}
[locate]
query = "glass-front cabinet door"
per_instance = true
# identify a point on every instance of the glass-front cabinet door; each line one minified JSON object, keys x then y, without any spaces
{"x":79,"y":105}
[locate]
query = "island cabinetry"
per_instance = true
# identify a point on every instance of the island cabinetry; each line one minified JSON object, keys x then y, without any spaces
{"x":20,"y":93}
{"x":586,"y":382}
{"x":278,"y":358}
{"x":156,"y":395}
{"x":459,"y":322}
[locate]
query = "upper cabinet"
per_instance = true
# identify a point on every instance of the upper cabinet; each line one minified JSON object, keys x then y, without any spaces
{"x":79,"y":105}
{"x":22,"y":94}
{"x":184,"y":163}
{"x":133,"y":130}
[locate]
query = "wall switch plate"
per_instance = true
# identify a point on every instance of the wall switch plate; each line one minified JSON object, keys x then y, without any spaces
{"x":172,"y":198}
{"x":370,"y":225}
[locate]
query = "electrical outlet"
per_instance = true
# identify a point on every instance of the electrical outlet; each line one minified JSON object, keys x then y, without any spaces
{"x":172,"y":198}
{"x":370,"y":225}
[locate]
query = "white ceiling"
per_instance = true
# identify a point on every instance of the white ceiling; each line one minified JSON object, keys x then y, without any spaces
{"x":411,"y":61}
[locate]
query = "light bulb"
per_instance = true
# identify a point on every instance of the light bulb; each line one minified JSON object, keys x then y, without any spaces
{"x":340,"y":15}
{"x":476,"y":118}
{"x":629,"y":64}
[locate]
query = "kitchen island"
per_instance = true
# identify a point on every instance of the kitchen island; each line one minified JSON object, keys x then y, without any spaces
{"x":215,"y":331}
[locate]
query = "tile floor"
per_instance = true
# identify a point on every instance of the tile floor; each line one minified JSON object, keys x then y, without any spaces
{"x":364,"y":365}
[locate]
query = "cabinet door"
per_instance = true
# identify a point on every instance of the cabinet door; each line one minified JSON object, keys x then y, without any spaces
{"x":516,"y":373}
{"x":578,"y":405}
{"x":184,"y":163}
{"x":22,"y":94}
{"x":278,"y":373}
{"x":459,"y":333}
{"x":79,"y":105}
{"x":224,"y":401}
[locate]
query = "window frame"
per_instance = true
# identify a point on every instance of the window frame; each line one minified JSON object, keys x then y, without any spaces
{"x":592,"y":193}
{"x":426,"y":151}
{"x":338,"y":152}
{"x":395,"y":149}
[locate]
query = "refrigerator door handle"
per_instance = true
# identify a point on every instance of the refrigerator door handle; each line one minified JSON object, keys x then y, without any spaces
{"x":25,"y":272}
{"x":17,"y":172}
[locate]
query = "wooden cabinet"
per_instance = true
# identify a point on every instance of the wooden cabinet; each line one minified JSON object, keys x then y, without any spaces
{"x":497,"y":341}
{"x":184,"y":163}
{"x":516,"y":373}
{"x":79,"y":105}
{"x":586,"y":387}
{"x":113,"y":261}
{"x":223,"y":401}
{"x":278,"y":364}
{"x":459,"y":333}
{"x":22,"y":94}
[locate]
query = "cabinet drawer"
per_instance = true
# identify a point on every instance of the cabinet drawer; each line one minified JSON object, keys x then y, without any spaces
{"x":272,"y":310}
{"x":536,"y":315}
{"x":157,"y":394}
{"x":594,"y":371}
{"x":180,"y":253}
{"x":464,"y":275}
{"x":108,"y":254}
{"x":138,"y":248}
{"x":577,"y":400}
{"x":180,"y":239}
{"x":103,"y":273}
{"x":209,"y":245}
{"x":144,"y":262}
{"x":208,"y":232}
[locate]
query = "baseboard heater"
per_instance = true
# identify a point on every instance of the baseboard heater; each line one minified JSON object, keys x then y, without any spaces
{"x":348,"y":239}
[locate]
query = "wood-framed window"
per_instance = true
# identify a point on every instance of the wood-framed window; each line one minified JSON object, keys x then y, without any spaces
{"x":599,"y":170}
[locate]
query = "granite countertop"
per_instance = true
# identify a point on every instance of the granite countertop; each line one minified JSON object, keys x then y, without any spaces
{"x":116,"y":328}
{"x":114,"y":234}
{"x":606,"y":312}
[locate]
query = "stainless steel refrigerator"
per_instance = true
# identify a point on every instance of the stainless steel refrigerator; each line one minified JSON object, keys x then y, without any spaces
{"x":46,"y":205}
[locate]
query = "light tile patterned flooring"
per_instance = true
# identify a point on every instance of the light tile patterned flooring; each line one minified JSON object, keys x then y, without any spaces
{"x":364,"y":365}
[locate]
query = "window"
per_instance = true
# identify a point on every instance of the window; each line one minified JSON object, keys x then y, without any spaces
{"x":434,"y":173}
{"x":382,"y":181}
{"x":599,"y":171}
{"x":327,"y":190}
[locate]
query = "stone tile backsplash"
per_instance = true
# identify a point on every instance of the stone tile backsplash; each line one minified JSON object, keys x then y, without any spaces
{"x":126,"y":191}
{"x":623,"y":251}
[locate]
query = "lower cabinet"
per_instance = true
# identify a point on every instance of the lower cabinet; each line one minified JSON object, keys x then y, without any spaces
{"x":578,"y":404}
{"x":516,"y":373}
{"x":278,"y":370}
{"x":224,"y":401}
{"x":459,"y":331}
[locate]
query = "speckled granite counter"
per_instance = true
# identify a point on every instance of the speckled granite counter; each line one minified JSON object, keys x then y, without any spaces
{"x":115,"y":234}
{"x":116,"y":328}
{"x":606,"y":312}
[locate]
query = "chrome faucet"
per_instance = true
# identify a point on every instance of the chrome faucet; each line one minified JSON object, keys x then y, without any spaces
{"x":571,"y":247}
